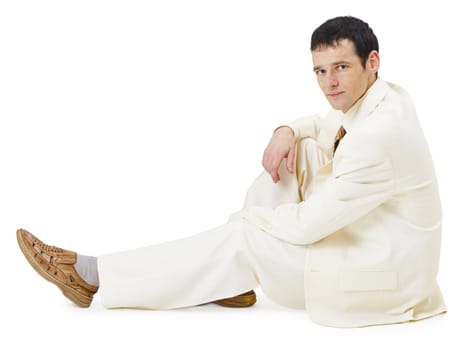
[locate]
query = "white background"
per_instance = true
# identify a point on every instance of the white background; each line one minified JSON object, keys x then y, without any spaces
{"x":129,"y":123}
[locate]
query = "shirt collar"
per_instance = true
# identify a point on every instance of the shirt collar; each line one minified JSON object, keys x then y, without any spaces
{"x":365,"y":105}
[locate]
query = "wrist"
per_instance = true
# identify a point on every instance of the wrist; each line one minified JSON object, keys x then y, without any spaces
{"x":284,"y":129}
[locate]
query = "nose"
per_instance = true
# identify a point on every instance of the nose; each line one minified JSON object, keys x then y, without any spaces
{"x":331,"y":80}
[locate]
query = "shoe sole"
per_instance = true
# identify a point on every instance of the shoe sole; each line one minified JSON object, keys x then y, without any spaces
{"x":68,"y":292}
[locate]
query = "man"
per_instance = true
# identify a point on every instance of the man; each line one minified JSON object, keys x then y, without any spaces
{"x":345,"y":222}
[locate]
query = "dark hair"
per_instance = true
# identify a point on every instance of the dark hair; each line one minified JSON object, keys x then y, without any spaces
{"x":333,"y":30}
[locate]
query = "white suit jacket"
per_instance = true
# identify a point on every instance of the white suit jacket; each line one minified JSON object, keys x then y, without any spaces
{"x":373,"y":223}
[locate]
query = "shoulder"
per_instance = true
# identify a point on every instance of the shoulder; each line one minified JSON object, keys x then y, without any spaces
{"x":395,"y":102}
{"x":393,"y":117}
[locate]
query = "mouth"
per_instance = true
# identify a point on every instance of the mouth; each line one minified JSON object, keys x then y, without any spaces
{"x":335,"y":94}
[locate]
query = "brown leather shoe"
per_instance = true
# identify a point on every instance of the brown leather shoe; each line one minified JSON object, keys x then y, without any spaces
{"x":243,"y":300}
{"x":56,"y":265}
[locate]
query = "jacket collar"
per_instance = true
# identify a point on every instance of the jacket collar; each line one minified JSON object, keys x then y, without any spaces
{"x":365,"y":105}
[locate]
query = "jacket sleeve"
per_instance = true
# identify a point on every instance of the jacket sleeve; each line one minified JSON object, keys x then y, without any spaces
{"x":362,"y":179}
{"x":306,"y":127}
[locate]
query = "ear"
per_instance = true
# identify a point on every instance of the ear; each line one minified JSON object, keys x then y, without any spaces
{"x":373,"y":61}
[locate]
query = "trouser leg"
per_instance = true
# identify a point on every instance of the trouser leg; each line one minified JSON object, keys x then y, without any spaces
{"x":216,"y":264}
{"x":294,"y":187}
{"x":219,"y":263}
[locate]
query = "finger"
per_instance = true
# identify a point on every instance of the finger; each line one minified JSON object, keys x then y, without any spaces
{"x":290,"y":160}
{"x":266,"y":162}
{"x":274,"y":169}
{"x":274,"y":174}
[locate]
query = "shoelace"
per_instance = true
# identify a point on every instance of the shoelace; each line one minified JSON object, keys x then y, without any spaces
{"x":47,"y":248}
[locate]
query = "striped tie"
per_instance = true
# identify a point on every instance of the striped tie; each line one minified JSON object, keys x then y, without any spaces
{"x":340,"y":134}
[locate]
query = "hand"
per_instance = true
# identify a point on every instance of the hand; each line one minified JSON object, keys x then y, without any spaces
{"x":282,"y":145}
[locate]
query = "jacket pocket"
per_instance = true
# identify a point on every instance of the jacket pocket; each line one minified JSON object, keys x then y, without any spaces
{"x":366,"y":281}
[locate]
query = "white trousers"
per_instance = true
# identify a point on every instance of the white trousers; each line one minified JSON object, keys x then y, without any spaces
{"x":222,"y":262}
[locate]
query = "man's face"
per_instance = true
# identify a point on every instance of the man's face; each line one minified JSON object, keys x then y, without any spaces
{"x":340,"y":74}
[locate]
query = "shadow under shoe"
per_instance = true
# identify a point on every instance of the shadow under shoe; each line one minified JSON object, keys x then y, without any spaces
{"x":56,"y":265}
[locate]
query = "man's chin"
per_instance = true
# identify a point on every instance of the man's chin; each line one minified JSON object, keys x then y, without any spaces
{"x":337,"y":107}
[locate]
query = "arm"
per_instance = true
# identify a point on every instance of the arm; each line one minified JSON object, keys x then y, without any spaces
{"x":306,"y":127}
{"x":362,"y":179}
{"x":283,"y":144}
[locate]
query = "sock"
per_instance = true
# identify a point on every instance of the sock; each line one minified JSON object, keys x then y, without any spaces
{"x":87,"y":269}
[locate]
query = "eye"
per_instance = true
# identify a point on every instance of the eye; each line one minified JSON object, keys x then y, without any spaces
{"x":342,"y":67}
{"x":320,"y":72}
